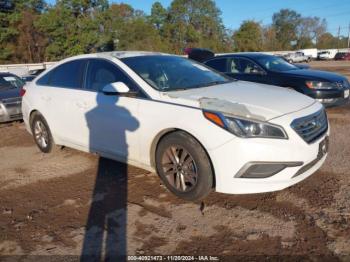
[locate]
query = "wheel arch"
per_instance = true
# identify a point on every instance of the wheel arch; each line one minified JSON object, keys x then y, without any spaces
{"x":31,"y":116}
{"x":166,"y":132}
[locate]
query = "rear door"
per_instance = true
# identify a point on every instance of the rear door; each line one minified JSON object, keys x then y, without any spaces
{"x":62,"y":86}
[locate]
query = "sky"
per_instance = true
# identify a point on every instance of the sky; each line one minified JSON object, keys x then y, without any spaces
{"x":234,"y":12}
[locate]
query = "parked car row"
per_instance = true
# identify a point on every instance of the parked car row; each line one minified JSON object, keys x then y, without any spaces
{"x":297,"y":57}
{"x":11,"y":87}
{"x":333,"y":55}
{"x":331,"y":89}
{"x":199,"y":129}
{"x":10,"y":99}
{"x":342,"y":56}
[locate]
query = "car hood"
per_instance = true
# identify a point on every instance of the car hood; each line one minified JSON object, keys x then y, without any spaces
{"x":9,"y":93}
{"x":315,"y":75}
{"x":243,"y":99}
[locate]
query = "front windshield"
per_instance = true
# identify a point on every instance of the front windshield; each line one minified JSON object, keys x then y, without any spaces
{"x":9,"y":81}
{"x":168,"y":73}
{"x":277,"y":64}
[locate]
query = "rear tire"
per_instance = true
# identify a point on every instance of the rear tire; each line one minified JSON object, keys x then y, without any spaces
{"x":184,"y":166}
{"x":41,"y":133}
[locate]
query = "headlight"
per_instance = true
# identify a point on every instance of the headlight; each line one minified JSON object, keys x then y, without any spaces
{"x":320,"y":85}
{"x":246,"y":128}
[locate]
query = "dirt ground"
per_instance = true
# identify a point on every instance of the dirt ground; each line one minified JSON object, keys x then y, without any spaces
{"x":57,"y":206}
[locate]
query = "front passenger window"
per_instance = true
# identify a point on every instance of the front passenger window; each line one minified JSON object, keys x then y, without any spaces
{"x":101,"y":72}
{"x":248,"y":67}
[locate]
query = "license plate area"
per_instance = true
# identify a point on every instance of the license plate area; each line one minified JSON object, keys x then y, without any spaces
{"x":323,"y":147}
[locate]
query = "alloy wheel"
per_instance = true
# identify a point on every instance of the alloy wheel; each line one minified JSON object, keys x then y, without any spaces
{"x":40,"y":133}
{"x":179,"y":168}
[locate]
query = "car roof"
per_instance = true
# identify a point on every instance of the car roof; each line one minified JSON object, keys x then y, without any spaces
{"x":113,"y":54}
{"x":244,"y":54}
{"x":116,"y":54}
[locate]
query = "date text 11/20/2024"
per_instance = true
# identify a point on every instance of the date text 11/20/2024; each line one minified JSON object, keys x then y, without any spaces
{"x":173,"y":258}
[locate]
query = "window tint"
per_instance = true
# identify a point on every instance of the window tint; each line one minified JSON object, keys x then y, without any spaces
{"x":44,"y":80}
{"x":248,"y":67}
{"x":274,"y":63}
{"x":233,"y":66}
{"x":68,"y":74}
{"x":219,"y":64}
{"x":101,"y":72}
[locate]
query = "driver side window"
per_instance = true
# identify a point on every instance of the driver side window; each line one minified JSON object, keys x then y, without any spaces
{"x":249,"y":67}
{"x":101,"y":72}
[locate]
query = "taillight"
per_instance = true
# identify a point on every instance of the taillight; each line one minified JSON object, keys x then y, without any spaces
{"x":22,"y":91}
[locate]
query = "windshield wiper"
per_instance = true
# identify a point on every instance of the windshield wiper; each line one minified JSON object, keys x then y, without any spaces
{"x":199,"y":85}
{"x":211,"y":84}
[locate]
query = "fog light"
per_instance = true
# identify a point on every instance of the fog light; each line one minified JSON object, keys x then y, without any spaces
{"x":264,"y":169}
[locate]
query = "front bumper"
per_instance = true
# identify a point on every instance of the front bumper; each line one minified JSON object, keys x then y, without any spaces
{"x":229,"y":159}
{"x":332,"y":97}
{"x":10,"y":111}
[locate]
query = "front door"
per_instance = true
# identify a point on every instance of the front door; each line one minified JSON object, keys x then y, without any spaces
{"x":110,"y":121}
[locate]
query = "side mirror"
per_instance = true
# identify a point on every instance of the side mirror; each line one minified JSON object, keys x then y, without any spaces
{"x":116,"y":88}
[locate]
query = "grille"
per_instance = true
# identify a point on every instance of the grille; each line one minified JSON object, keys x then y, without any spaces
{"x":311,"y":127}
{"x":342,"y":84}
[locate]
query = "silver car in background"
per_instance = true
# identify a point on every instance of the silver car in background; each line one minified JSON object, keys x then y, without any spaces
{"x":10,"y":97}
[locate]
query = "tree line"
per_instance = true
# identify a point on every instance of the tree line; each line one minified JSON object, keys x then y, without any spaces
{"x":33,"y":31}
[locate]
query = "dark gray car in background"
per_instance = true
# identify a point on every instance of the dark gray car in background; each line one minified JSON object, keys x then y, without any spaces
{"x":10,"y":97}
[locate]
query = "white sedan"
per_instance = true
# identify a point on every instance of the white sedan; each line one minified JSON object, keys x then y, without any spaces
{"x":198,"y":129}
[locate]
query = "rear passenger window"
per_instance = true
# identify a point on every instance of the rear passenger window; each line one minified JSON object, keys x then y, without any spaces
{"x":218,"y":64}
{"x":44,"y":80}
{"x":101,"y":72}
{"x":68,"y":75}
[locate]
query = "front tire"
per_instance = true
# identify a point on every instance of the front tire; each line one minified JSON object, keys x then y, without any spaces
{"x":41,"y":133}
{"x":184,"y":166}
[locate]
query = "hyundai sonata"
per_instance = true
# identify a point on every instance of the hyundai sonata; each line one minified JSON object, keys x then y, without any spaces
{"x":198,"y":129}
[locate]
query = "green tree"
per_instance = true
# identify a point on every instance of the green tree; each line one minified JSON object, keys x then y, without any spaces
{"x":158,"y":15}
{"x":194,"y":23}
{"x":309,"y":30}
{"x":11,"y":16}
{"x":140,"y":35}
{"x":248,"y":37}
{"x":74,"y":27}
{"x":286,"y":22}
{"x":270,"y":42}
{"x":79,"y":7}
{"x":327,"y":41}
